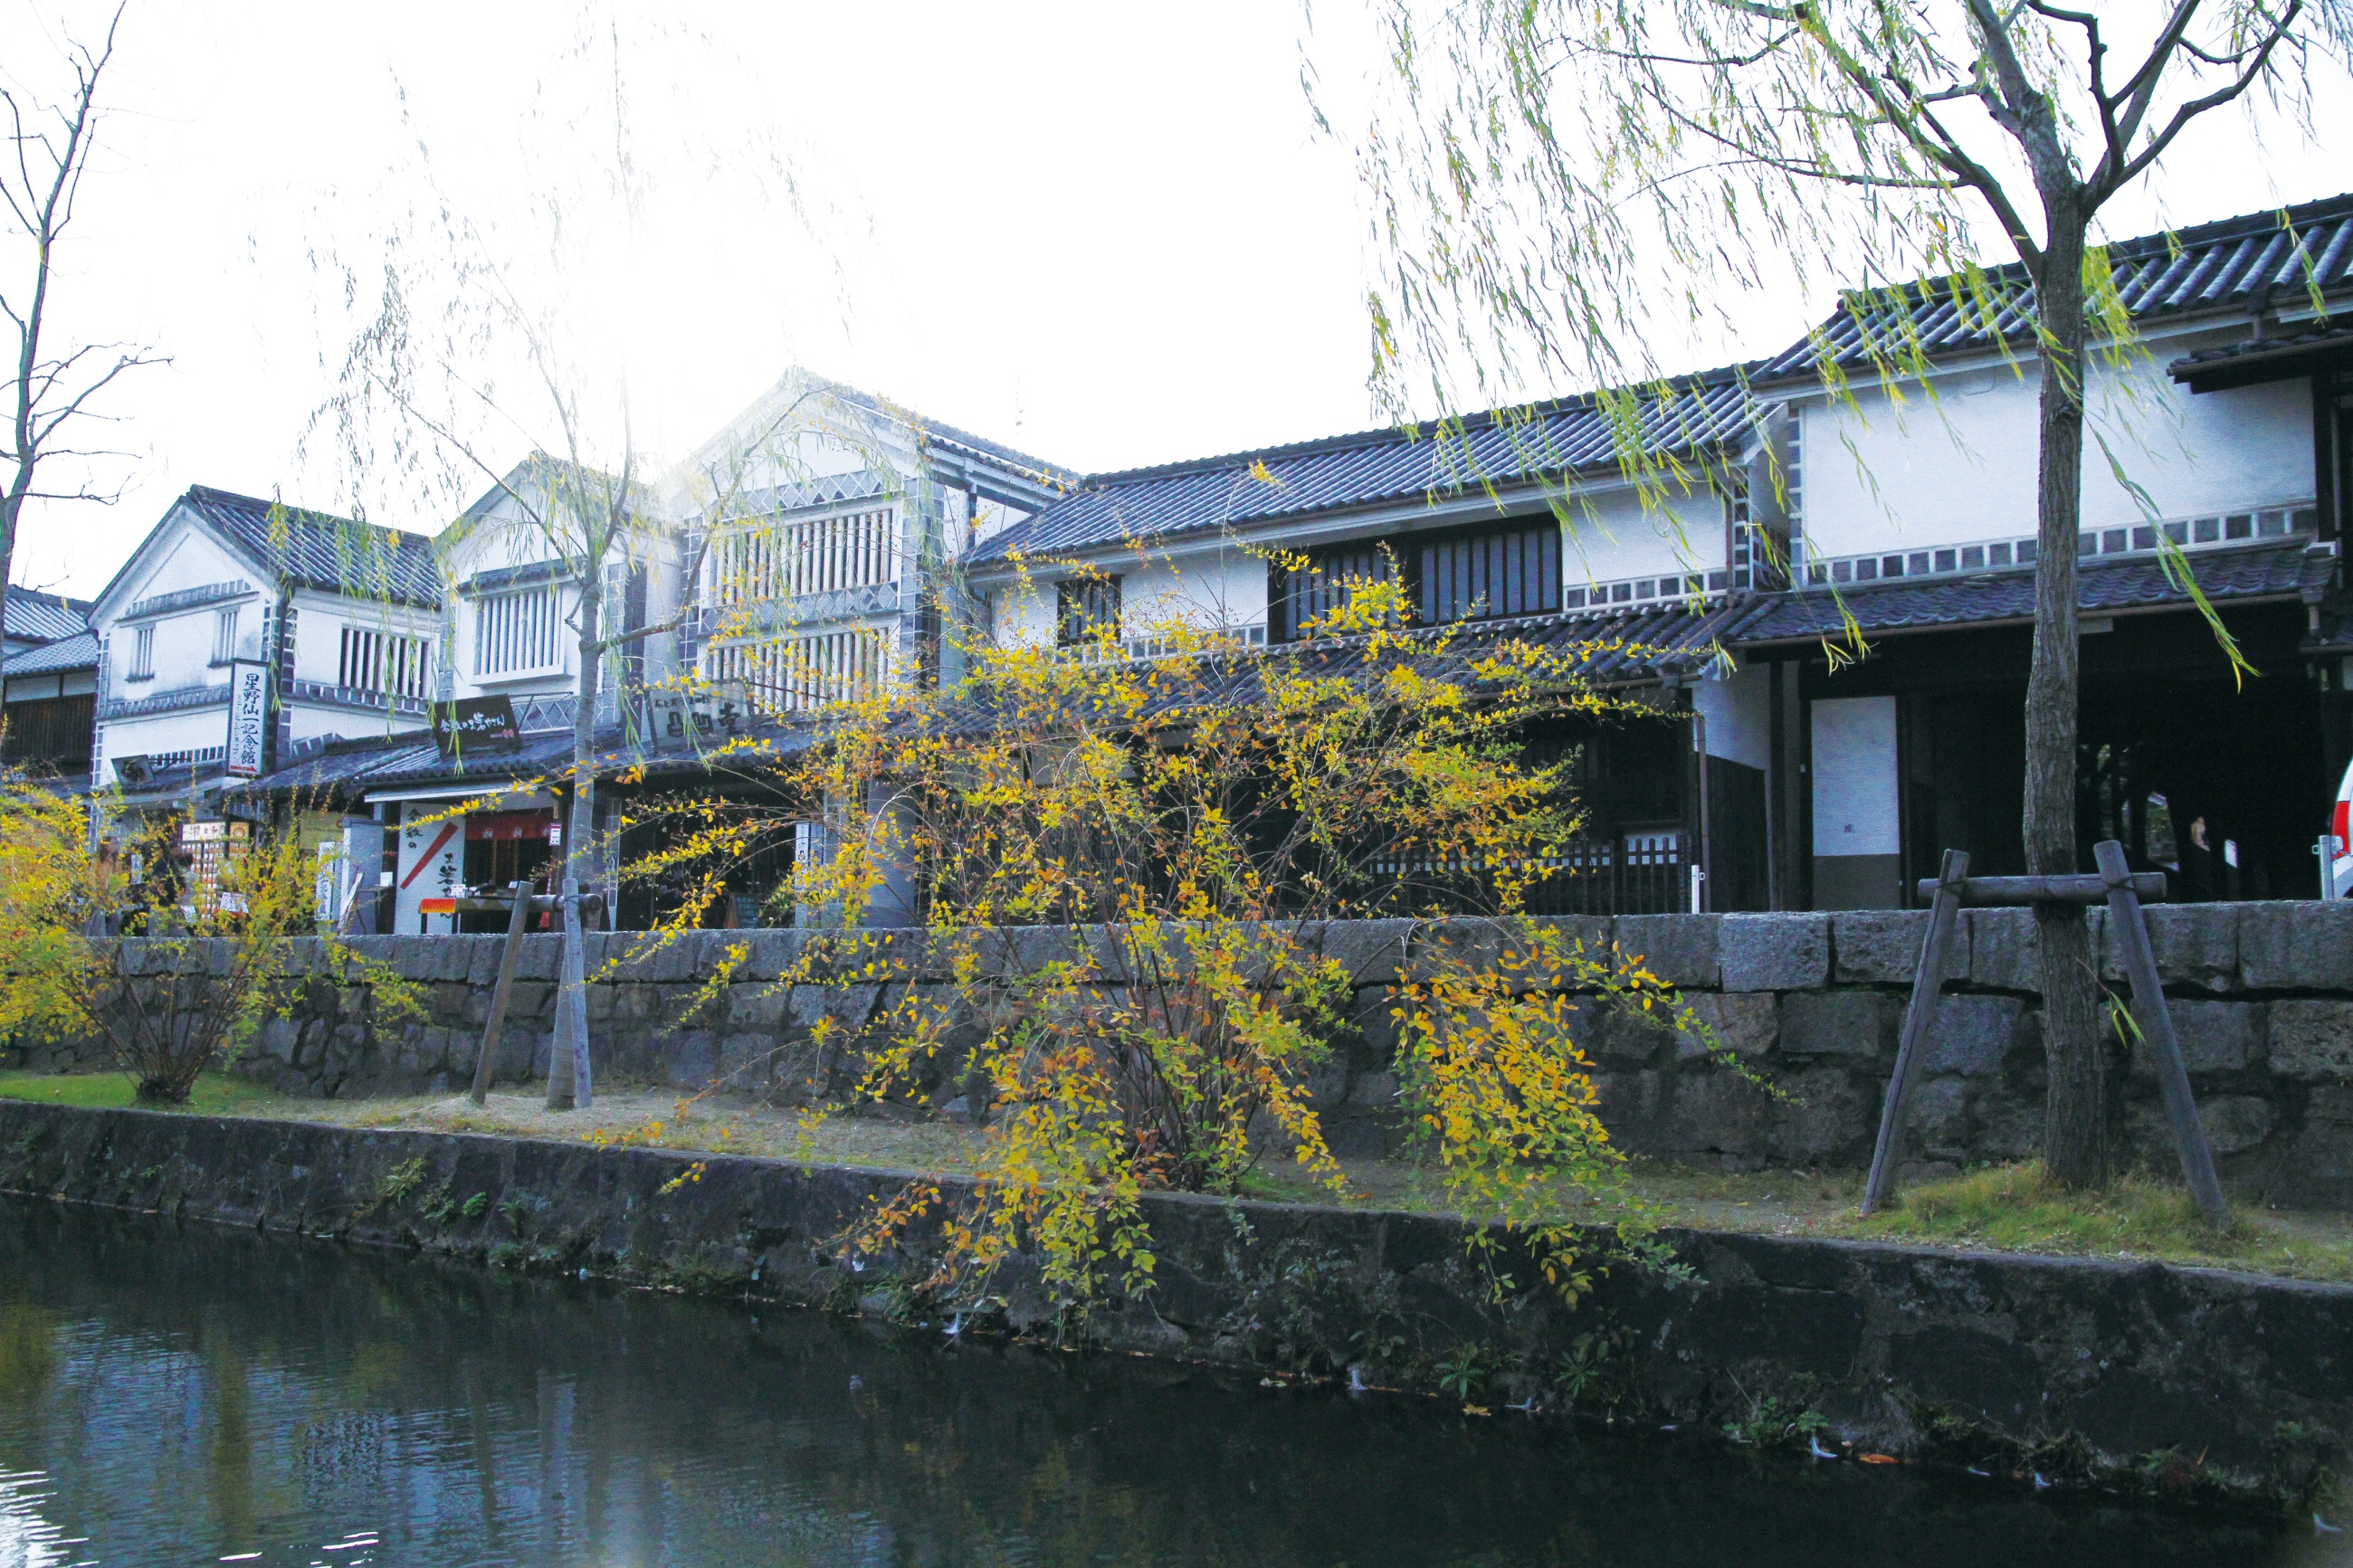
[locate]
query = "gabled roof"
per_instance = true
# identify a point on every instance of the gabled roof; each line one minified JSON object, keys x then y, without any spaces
{"x":317,"y":550}
{"x":2273,"y":258}
{"x":1423,"y":462}
{"x":537,"y":472}
{"x":79,"y":651}
{"x":941,"y":433}
{"x":35,"y":616}
{"x":2289,"y":569}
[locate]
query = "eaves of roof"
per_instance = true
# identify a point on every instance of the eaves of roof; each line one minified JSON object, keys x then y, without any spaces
{"x":2265,"y":359}
{"x":1677,"y":641}
{"x":933,"y":430}
{"x":2288,"y":570}
{"x":351,"y":770}
{"x":79,"y":651}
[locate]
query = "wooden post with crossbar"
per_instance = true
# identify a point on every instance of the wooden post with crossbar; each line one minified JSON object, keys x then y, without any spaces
{"x":2125,"y":892}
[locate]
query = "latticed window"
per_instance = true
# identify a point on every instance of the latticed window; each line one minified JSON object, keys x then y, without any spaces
{"x":791,"y":558}
{"x":1494,"y":571}
{"x":225,"y":634}
{"x":142,"y":655}
{"x":1331,"y":578}
{"x":1512,"y":569}
{"x":1085,"y":610}
{"x":795,"y":674}
{"x":378,"y":661}
{"x":515,"y":632}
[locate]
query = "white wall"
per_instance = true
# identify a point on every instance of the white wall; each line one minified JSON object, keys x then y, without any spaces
{"x":320,"y":620}
{"x":1854,"y":777}
{"x":151,"y":734}
{"x":1613,"y":536}
{"x":1890,"y":474}
{"x":1227,"y":588}
{"x":1739,"y":713}
{"x":177,"y":557}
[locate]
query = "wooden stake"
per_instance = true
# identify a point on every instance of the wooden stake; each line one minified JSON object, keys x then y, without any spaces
{"x":516,"y":923}
{"x":575,"y":995}
{"x":2156,"y":1021}
{"x":1912,"y":1046}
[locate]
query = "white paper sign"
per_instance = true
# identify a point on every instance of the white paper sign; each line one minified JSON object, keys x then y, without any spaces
{"x":249,"y":718}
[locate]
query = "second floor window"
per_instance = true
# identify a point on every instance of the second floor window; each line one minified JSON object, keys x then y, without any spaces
{"x":1085,"y":610}
{"x":378,"y":661}
{"x":225,"y":634}
{"x":797,"y":674}
{"x":142,"y":655}
{"x":1296,"y":600}
{"x":787,"y":558}
{"x":1485,"y":574}
{"x":515,"y":632}
{"x":1509,"y":571}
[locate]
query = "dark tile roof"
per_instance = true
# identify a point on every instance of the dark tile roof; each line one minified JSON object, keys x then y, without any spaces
{"x":349,"y":769}
{"x":2319,"y":337}
{"x":79,"y":651}
{"x":2277,"y":255}
{"x":2254,"y":572}
{"x":1609,"y":647}
{"x":1501,"y":446}
{"x":35,"y":616}
{"x":315,"y":549}
{"x":2265,"y":359}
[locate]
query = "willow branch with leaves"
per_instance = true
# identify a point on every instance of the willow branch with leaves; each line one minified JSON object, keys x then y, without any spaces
{"x":1559,"y":190}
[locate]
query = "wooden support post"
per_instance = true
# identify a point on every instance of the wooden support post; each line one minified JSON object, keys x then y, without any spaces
{"x":574,"y":998}
{"x":1912,"y":1046}
{"x":2156,"y":1021}
{"x":517,"y":923}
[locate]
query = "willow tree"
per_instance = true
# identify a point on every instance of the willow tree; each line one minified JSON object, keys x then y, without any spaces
{"x":502,"y":328}
{"x":1567,"y":188}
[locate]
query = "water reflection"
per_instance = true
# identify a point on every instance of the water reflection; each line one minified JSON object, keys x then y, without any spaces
{"x":190,"y":1394}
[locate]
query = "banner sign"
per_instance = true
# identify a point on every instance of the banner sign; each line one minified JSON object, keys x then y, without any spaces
{"x":476,"y":723}
{"x":249,"y":719}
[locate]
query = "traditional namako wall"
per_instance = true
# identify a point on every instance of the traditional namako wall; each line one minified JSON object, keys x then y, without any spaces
{"x":2261,"y":995}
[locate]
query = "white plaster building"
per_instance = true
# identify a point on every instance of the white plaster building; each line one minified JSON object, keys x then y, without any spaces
{"x":837,"y":525}
{"x":1835,"y":775}
{"x":343,"y":615}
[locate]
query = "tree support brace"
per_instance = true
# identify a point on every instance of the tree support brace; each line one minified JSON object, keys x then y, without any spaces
{"x":2124,"y":892}
{"x":522,"y":907}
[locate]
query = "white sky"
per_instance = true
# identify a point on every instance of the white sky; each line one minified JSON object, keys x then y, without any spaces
{"x":1106,"y":234}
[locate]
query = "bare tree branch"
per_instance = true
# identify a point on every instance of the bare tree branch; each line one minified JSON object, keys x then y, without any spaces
{"x":49,"y":392}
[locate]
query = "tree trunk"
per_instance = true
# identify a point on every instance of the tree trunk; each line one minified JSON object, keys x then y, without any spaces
{"x":2075,"y":1139}
{"x":567,"y":1080}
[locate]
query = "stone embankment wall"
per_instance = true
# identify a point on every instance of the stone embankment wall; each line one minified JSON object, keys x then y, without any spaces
{"x":2262,"y":994}
{"x":2180,"y":1380}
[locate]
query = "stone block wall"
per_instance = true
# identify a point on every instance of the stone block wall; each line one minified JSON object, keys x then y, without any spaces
{"x":2261,"y":995}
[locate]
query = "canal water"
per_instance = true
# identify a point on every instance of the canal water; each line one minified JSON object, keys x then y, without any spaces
{"x":187,"y":1394}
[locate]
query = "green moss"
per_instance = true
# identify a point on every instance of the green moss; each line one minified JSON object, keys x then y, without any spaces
{"x":214,"y":1094}
{"x":2018,"y":1208}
